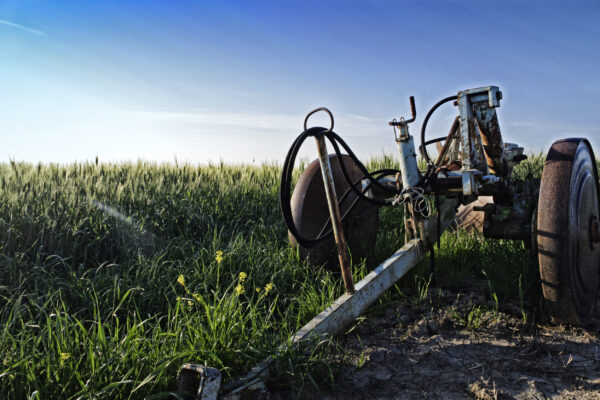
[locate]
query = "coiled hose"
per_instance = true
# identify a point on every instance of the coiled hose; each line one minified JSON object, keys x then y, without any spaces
{"x":373,"y":177}
{"x":336,"y":141}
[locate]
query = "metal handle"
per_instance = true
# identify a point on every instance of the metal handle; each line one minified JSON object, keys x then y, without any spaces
{"x":317,"y":110}
{"x":413,"y":111}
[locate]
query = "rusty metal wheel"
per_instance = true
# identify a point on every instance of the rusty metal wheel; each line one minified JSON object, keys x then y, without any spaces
{"x":310,"y":214}
{"x":470,"y":220}
{"x":567,"y":231}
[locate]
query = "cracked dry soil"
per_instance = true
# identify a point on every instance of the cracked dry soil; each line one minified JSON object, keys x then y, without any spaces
{"x":434,"y":352}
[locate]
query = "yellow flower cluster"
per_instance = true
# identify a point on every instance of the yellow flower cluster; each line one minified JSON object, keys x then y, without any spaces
{"x":64,"y":357}
{"x":181,"y":281}
{"x":219,"y":256}
{"x":239,"y":289}
{"x":269,"y":287}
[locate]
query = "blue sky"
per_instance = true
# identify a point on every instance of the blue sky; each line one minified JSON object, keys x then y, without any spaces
{"x":232,"y":80}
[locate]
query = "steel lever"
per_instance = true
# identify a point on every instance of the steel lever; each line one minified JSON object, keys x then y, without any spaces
{"x":413,"y":112}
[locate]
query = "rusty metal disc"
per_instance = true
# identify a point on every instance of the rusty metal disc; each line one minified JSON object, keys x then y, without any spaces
{"x":567,"y":231}
{"x":469,"y":219}
{"x":310,"y":214}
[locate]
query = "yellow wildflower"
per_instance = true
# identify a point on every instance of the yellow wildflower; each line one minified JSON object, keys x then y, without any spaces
{"x":269,"y":287}
{"x":189,"y":302}
{"x":243,"y":276}
{"x":257,"y":290}
{"x":196,"y":297}
{"x":64,"y":357}
{"x":219,"y":256}
{"x":239,"y":289}
{"x":181,"y":280}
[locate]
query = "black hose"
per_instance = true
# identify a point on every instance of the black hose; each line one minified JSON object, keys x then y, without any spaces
{"x":373,"y":177}
{"x":336,"y":141}
{"x":422,"y":148}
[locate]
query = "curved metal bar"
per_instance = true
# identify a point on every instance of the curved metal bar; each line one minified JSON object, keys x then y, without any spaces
{"x":317,"y":110}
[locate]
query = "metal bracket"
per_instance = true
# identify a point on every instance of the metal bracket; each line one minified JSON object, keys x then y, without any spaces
{"x":483,"y":151}
{"x":470,"y":185}
{"x":197,"y":382}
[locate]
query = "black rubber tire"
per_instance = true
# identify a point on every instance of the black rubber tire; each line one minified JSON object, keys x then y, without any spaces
{"x":310,"y":213}
{"x":569,"y":260}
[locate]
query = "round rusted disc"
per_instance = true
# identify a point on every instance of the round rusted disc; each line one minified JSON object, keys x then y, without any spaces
{"x":569,"y":255}
{"x":310,"y":213}
{"x":469,"y":219}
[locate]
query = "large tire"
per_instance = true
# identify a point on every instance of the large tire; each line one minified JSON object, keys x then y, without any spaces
{"x":568,"y":207}
{"x":310,"y":214}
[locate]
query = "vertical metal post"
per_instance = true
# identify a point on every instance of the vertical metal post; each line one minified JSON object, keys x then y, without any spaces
{"x":467,"y":130}
{"x":334,"y":212}
{"x":408,"y":157}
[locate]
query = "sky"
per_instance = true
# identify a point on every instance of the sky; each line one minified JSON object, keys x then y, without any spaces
{"x":209,"y":81}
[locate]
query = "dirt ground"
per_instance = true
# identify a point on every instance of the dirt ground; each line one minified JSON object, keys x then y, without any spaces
{"x":436,"y":351}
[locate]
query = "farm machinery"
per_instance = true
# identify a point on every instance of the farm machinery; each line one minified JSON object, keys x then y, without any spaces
{"x":559,"y":219}
{"x":333,"y":209}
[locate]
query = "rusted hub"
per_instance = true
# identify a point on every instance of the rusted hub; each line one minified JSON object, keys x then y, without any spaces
{"x":567,"y":230}
{"x":472,"y":216}
{"x":310,"y":213}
